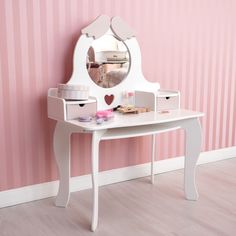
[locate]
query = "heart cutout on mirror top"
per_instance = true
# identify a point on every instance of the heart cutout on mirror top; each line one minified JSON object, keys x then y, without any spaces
{"x":109,"y":99}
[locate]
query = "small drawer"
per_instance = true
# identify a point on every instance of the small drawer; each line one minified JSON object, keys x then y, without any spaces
{"x":167,"y":100}
{"x":74,"y":111}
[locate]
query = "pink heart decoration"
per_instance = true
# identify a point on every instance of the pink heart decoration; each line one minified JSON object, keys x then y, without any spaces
{"x":109,"y":99}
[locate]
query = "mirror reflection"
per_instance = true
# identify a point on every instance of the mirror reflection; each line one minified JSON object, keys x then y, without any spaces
{"x":108,"y":61}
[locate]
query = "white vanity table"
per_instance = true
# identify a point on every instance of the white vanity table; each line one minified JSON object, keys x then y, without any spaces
{"x":121,"y":126}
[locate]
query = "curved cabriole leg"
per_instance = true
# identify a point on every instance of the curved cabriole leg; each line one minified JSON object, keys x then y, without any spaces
{"x":61,"y":144}
{"x":95,"y":168}
{"x":193,"y":138}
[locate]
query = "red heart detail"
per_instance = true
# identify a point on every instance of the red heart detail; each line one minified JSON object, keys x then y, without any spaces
{"x":109,"y":99}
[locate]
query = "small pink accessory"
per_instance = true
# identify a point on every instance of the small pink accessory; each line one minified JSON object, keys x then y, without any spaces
{"x":106,"y":114}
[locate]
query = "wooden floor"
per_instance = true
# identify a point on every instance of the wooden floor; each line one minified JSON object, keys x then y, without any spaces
{"x":137,"y":208}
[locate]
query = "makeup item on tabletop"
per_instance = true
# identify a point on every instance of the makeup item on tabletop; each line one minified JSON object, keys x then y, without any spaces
{"x":73,"y":91}
{"x":164,"y":112}
{"x":85,"y":118}
{"x":99,"y":121}
{"x":132,"y":110}
{"x":126,"y":109}
{"x":128,"y":98}
{"x":104,"y":115}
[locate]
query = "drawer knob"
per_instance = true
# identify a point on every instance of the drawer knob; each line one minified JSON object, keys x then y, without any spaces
{"x":167,"y":98}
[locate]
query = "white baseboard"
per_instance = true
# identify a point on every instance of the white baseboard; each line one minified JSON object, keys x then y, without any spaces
{"x":49,"y":189}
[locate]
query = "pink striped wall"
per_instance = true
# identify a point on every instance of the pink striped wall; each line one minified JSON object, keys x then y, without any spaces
{"x":188,"y":45}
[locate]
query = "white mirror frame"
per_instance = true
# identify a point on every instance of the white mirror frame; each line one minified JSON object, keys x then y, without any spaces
{"x":134,"y":80}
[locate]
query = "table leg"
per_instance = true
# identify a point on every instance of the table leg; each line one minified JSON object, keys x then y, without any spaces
{"x":193,"y":138}
{"x":153,"y":157}
{"x":95,"y":168}
{"x":61,"y":144}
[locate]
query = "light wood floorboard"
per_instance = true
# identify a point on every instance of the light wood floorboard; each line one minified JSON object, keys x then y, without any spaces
{"x":137,"y":208}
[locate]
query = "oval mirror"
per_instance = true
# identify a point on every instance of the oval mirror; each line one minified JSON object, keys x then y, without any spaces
{"x":108,"y":61}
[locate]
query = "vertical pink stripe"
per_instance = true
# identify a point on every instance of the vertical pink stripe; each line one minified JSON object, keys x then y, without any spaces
{"x":19,"y":93}
{"x":213,"y":76}
{"x":164,"y":136}
{"x":219,"y":85}
{"x":223,"y":95}
{"x":225,"y":100}
{"x":214,"y":99}
{"x":176,"y":76}
{"x":207,"y":82}
{"x":39,"y":89}
{"x":26,"y":87}
{"x":45,"y":58}
{"x":232,"y":100}
{"x":3,"y":159}
{"x":3,"y":108}
{"x":34,"y":66}
{"x":75,"y":17}
{"x":180,"y":45}
{"x":14,"y":143}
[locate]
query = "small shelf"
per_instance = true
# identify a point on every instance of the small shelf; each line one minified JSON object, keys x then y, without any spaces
{"x":128,"y":132}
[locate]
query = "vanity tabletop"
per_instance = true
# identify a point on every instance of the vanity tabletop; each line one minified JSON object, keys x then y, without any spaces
{"x":132,"y":120}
